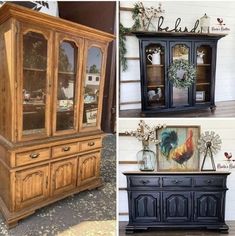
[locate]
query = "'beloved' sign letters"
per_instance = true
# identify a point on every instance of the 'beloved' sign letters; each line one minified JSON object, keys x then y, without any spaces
{"x":177,"y":27}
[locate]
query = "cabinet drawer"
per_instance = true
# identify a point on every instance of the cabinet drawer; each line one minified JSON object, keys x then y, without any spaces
{"x":176,"y":181}
{"x":90,"y":144}
{"x":25,"y":158}
{"x":209,"y":181}
{"x":144,"y":181}
{"x":65,"y":149}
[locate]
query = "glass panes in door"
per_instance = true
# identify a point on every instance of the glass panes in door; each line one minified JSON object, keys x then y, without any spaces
{"x":180,"y":95}
{"x":34,"y":82}
{"x":66,"y":84}
{"x":155,"y":71}
{"x":92,"y":86}
{"x":203,"y":82}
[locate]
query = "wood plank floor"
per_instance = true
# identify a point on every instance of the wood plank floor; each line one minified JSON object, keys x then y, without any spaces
{"x":231,"y":225}
{"x":223,"y":109}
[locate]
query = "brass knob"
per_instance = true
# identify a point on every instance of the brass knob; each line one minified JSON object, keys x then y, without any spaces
{"x":34,"y":155}
{"x":65,"y":149}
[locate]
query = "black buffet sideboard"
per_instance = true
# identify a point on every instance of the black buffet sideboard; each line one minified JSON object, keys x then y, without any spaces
{"x":192,"y":200}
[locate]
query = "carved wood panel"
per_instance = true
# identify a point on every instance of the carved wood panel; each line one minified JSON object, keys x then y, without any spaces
{"x":145,"y":206}
{"x":63,"y":176}
{"x":208,"y":206}
{"x":177,"y":206}
{"x":88,"y":168}
{"x":31,"y":186}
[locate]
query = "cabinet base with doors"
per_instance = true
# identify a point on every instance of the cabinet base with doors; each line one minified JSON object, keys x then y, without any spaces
{"x":158,"y":50}
{"x":51,"y":91}
{"x":176,"y":200}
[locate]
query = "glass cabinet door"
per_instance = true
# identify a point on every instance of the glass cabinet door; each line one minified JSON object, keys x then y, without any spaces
{"x":66,"y":83}
{"x":155,"y":74}
{"x":93,"y":81}
{"x":34,"y":86}
{"x":204,"y":73}
{"x":180,"y":96}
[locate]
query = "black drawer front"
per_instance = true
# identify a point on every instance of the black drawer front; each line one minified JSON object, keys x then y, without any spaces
{"x":176,"y":181}
{"x":144,"y":181}
{"x":209,"y":181}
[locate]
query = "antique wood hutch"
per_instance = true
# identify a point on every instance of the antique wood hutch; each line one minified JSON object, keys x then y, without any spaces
{"x":192,"y":200}
{"x":51,"y":90}
{"x":157,"y":93}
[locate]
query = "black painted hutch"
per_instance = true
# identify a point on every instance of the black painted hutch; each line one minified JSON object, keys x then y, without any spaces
{"x":192,"y":200}
{"x":157,"y":93}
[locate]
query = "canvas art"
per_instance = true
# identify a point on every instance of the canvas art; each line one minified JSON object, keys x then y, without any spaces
{"x":178,"y":150}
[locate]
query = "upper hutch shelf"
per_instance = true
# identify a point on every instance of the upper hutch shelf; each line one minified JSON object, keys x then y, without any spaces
{"x":157,"y":52}
{"x":178,"y":34}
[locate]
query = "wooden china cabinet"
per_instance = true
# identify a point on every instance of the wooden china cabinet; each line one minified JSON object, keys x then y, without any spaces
{"x":157,"y":93}
{"x":51,"y":90}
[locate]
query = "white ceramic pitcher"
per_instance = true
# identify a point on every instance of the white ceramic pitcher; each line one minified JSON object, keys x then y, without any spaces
{"x":154,"y":58}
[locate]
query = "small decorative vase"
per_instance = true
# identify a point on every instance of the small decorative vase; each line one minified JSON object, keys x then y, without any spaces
{"x":154,"y":58}
{"x":146,"y":158}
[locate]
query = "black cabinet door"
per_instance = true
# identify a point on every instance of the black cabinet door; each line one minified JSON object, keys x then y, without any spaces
{"x":145,"y":207}
{"x":180,"y":97}
{"x":208,"y":206}
{"x":205,"y":61}
{"x":177,"y":206}
{"x":153,"y":74}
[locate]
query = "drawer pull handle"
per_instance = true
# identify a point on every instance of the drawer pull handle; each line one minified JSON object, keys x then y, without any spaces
{"x":91,"y":144}
{"x":34,"y":155}
{"x":66,"y":149}
{"x":177,"y":181}
{"x":144,"y":181}
{"x":209,"y":181}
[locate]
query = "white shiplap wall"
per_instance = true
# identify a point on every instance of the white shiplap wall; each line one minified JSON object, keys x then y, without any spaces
{"x":129,"y":146}
{"x":189,"y":12}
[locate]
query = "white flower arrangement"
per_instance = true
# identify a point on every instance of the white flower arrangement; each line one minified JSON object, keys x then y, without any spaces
{"x":145,"y":133}
{"x":143,"y":16}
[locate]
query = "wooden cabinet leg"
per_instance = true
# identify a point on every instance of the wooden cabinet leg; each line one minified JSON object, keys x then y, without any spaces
{"x":213,"y":108}
{"x":12,"y":224}
{"x":129,"y":231}
{"x":224,"y":229}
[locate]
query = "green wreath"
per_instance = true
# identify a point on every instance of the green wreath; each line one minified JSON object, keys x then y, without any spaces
{"x":189,"y":75}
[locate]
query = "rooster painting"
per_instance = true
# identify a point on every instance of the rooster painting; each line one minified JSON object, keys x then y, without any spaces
{"x":177,"y":147}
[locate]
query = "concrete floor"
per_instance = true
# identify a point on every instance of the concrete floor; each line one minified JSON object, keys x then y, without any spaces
{"x":98,"y":204}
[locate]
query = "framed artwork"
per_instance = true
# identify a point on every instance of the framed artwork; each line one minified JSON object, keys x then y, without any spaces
{"x":177,"y":150}
{"x":200,"y":96}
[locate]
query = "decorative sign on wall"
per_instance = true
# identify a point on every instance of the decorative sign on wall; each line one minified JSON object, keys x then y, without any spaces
{"x":177,"y":27}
